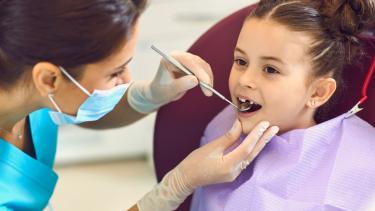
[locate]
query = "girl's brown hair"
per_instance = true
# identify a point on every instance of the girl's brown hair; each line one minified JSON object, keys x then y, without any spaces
{"x":334,"y":26}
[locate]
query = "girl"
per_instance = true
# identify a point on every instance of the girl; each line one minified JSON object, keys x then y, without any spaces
{"x":288,"y":63}
{"x":66,"y":62}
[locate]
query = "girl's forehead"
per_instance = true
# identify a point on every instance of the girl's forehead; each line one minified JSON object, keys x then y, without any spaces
{"x":270,"y":37}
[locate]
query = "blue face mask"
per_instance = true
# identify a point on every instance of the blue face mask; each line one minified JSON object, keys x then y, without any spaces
{"x":97,"y":105}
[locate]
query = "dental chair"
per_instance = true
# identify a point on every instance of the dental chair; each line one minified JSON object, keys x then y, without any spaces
{"x":174,"y":140}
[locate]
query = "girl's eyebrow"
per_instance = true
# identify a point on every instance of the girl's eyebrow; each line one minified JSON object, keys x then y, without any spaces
{"x":272,"y":58}
{"x":240,"y":50}
{"x":263,"y":57}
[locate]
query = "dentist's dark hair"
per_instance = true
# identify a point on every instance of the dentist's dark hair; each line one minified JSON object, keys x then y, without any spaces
{"x":334,"y":26}
{"x":69,"y":33}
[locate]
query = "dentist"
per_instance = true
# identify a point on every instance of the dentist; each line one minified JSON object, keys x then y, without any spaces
{"x":66,"y":62}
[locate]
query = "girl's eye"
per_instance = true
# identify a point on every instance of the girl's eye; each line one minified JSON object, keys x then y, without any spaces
{"x":240,"y":62}
{"x":270,"y":70}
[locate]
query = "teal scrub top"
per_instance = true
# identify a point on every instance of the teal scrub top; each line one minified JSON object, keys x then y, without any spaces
{"x":27,"y":183}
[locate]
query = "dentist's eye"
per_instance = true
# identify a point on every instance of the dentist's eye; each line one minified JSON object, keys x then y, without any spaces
{"x":114,"y":75}
{"x":270,"y":70}
{"x":118,"y":73}
{"x":240,"y":62}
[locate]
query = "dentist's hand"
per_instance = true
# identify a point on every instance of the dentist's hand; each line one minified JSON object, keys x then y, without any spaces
{"x":212,"y":164}
{"x":170,"y":83}
{"x":207,"y":165}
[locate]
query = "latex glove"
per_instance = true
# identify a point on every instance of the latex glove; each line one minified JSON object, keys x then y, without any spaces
{"x":169,"y":84}
{"x":207,"y":165}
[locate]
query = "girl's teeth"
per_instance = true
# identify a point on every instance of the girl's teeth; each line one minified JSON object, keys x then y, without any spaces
{"x":242,"y":100}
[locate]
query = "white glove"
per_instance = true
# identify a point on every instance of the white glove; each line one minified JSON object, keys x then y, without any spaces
{"x":169,"y":84}
{"x":207,"y":165}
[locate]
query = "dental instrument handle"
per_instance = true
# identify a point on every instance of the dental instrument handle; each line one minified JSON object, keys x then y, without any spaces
{"x":172,"y":60}
{"x":188,"y":72}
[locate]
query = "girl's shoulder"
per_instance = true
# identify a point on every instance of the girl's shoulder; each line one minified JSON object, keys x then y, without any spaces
{"x":353,"y":175}
{"x":358,"y":133}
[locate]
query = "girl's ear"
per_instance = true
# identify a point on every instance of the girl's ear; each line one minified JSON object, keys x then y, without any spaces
{"x":321,"y":91}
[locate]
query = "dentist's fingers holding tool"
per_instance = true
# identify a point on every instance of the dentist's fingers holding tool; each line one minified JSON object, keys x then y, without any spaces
{"x":174,"y":77}
{"x":197,"y":66}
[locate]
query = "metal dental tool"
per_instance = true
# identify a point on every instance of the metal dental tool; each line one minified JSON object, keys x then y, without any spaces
{"x":177,"y":64}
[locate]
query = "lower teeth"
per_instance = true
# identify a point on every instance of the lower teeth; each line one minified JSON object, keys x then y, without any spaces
{"x":248,"y":107}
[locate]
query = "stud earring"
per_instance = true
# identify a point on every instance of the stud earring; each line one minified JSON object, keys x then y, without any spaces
{"x":313,"y":103}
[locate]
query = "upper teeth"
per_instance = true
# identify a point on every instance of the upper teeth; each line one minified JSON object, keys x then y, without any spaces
{"x":242,"y":100}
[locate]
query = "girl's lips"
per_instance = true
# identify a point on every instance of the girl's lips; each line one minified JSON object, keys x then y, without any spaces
{"x":247,"y":114}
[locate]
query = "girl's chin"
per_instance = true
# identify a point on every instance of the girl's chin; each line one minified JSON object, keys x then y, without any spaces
{"x":247,"y":127}
{"x":247,"y":115}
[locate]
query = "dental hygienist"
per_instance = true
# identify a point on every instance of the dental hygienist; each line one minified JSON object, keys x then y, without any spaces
{"x":66,"y":62}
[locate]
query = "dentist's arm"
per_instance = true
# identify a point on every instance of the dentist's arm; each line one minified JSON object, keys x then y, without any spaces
{"x":144,"y":97}
{"x":207,"y":165}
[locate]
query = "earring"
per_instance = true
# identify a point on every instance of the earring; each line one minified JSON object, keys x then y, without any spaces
{"x":313,"y":103}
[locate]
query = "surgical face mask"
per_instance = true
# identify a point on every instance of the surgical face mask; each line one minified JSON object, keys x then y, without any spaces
{"x":97,"y":105}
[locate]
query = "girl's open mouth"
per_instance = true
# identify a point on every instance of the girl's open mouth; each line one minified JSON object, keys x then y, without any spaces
{"x":249,"y":104}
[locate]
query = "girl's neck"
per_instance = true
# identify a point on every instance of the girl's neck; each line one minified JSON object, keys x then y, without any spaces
{"x":305,"y":121}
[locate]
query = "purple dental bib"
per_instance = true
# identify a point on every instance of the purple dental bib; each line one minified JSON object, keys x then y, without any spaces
{"x":329,"y":166}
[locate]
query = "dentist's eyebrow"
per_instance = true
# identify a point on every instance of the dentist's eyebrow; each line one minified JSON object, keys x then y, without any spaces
{"x":123,"y":65}
{"x":272,"y":58}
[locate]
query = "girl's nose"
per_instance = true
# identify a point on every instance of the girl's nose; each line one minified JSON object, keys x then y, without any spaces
{"x":249,"y":79}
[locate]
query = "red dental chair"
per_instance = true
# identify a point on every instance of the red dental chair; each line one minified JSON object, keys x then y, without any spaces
{"x":174,"y":140}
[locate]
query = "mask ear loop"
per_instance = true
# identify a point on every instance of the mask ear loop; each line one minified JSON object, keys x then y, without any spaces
{"x":50,"y":96}
{"x":74,"y":81}
{"x":356,"y":108}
